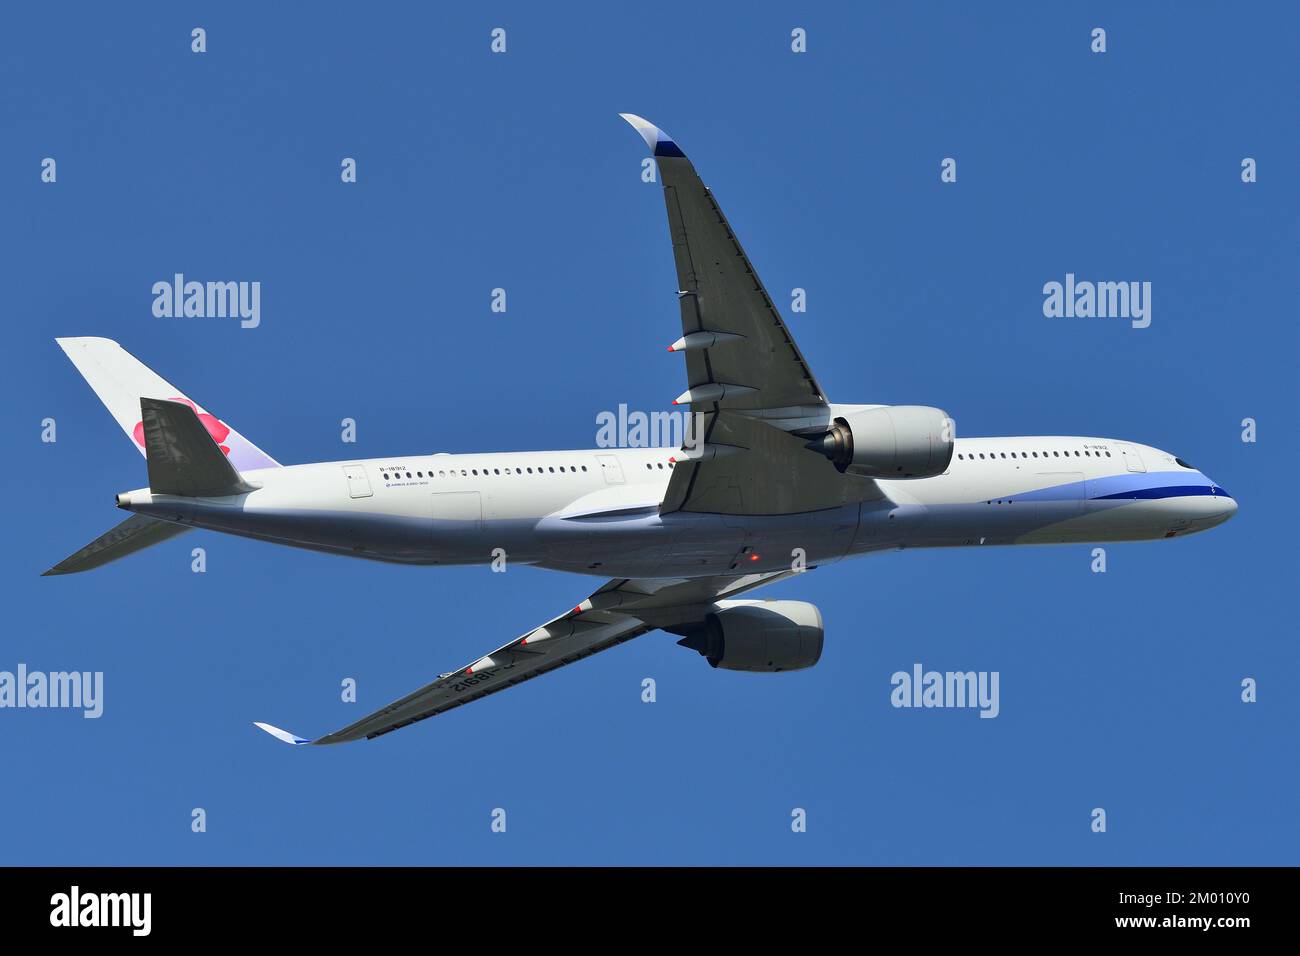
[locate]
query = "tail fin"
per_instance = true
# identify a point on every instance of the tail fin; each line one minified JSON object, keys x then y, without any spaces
{"x":121,"y":380}
{"x":134,"y":534}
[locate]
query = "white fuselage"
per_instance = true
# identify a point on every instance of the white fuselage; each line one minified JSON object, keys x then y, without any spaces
{"x":597,"y":511}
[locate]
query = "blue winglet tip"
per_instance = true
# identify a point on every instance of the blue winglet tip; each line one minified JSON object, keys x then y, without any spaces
{"x":279,"y":734}
{"x":660,"y":143}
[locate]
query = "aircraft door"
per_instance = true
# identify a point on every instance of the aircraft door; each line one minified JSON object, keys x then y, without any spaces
{"x":457,"y":510}
{"x":358,"y":483}
{"x":1132,"y":460}
{"x":611,"y":469}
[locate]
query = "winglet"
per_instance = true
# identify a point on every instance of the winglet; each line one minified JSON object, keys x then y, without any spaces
{"x":660,"y":143}
{"x":279,"y":734}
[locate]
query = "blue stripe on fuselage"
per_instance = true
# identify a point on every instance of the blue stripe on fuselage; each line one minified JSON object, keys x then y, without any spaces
{"x":1164,"y":491}
{"x":1134,"y":487}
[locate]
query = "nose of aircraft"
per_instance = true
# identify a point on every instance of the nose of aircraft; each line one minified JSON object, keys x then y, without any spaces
{"x":1214,"y":509}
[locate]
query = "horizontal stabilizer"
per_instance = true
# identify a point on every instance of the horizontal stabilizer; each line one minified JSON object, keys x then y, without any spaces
{"x":134,"y":534}
{"x":181,"y":455}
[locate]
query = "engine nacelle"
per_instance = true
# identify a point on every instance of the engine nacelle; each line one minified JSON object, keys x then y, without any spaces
{"x":757,"y":635}
{"x":892,"y":441}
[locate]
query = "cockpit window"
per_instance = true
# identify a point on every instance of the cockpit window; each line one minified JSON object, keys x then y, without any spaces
{"x":1179,"y":461}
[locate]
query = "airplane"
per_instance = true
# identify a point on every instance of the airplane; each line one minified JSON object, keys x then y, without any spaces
{"x":775,"y":480}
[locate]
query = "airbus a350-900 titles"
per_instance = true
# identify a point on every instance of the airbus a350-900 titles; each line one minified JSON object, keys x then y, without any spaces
{"x":683,"y":535}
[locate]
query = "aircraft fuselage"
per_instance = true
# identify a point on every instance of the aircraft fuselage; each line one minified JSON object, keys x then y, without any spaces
{"x":597,"y":511}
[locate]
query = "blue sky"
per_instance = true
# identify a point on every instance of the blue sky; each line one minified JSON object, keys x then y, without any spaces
{"x":1118,"y":690}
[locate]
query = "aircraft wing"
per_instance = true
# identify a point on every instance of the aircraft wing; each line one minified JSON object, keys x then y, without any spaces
{"x":621,"y":610}
{"x":733,"y":337}
{"x":744,"y":371}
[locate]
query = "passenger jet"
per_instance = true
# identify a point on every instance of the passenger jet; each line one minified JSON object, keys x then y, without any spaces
{"x":776,"y":480}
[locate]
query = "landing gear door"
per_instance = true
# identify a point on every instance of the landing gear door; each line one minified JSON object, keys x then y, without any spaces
{"x":1132,"y":460}
{"x":358,"y":483}
{"x":611,"y":469}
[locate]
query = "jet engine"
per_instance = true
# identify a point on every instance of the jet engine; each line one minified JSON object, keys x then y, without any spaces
{"x":757,"y":635}
{"x":891,"y":441}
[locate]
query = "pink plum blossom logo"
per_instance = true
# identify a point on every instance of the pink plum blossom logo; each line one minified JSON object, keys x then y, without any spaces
{"x":215,"y":426}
